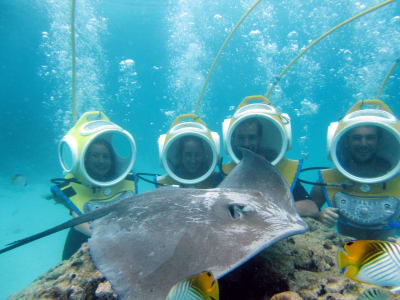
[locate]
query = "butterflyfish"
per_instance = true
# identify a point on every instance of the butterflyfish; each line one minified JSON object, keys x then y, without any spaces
{"x":198,"y":287}
{"x":374,"y":262}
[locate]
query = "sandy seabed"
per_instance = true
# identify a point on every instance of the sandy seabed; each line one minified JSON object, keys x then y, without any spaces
{"x":25,"y":211}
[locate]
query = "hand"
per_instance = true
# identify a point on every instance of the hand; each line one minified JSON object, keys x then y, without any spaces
{"x":329,"y":216}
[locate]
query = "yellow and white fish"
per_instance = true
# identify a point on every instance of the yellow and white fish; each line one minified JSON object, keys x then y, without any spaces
{"x":375,"y":262}
{"x":374,"y":294}
{"x":198,"y":287}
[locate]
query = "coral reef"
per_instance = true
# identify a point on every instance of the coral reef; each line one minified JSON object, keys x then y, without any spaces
{"x":305,"y":265}
{"x":76,"y":278}
{"x":286,"y":296}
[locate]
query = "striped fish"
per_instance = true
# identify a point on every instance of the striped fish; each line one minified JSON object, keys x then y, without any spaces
{"x":198,"y":287}
{"x":374,"y":294}
{"x":375,"y":262}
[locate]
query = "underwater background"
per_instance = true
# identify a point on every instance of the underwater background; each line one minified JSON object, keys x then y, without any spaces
{"x":144,"y":62}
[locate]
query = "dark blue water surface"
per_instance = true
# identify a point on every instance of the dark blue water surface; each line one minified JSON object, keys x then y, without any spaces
{"x":144,"y":62}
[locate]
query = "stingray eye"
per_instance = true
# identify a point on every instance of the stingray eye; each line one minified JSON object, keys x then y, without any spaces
{"x":236,"y":210}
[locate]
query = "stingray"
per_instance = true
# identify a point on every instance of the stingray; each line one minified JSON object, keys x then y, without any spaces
{"x":146,"y":243}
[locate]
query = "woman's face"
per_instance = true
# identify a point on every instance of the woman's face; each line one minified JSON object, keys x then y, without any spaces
{"x":192,"y":156}
{"x":98,"y":161}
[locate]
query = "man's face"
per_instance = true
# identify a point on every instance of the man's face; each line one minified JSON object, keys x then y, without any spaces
{"x":363,"y":143}
{"x":246,"y":135}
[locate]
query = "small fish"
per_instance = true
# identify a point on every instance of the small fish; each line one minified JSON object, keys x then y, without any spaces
{"x":19,"y":179}
{"x":374,"y":294}
{"x":198,"y":287}
{"x":374,"y":262}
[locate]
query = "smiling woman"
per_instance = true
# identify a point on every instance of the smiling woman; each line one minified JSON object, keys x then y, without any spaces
{"x":193,"y":158}
{"x":100,"y":160}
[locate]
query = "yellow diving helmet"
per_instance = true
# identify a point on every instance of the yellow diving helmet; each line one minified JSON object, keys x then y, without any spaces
{"x":189,"y":151}
{"x":274,"y":129}
{"x":373,"y":120}
{"x":94,"y":126}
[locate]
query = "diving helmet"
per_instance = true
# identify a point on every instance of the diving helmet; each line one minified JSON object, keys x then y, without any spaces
{"x":189,"y":151}
{"x":365,"y":144}
{"x":115,"y":145}
{"x":273,"y":134}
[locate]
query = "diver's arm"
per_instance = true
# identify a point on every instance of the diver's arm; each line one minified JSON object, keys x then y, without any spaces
{"x":304,"y":205}
{"x":84,"y":227}
{"x":328,"y":216}
{"x":307,"y":208}
{"x":317,"y":196}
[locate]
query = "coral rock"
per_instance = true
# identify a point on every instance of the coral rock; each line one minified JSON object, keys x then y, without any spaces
{"x":286,"y":296}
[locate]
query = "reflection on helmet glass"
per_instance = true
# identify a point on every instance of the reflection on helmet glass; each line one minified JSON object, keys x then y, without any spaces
{"x":100,"y":160}
{"x":190,"y":157}
{"x":121,"y":146}
{"x":361,"y":152}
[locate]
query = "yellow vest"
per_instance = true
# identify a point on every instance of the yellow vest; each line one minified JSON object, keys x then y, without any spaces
{"x":211,"y":182}
{"x":364,"y":206}
{"x":76,"y":195}
{"x":288,"y":168}
{"x":333,"y":176}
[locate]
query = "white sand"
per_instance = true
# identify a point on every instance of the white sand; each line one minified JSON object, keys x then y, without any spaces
{"x":24,"y":211}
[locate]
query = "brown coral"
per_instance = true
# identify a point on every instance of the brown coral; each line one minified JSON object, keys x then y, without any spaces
{"x":286,"y":296}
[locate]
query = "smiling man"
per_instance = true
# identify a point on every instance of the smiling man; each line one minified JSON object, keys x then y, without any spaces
{"x":248,"y":134}
{"x":359,"y":209}
{"x":362,"y":144}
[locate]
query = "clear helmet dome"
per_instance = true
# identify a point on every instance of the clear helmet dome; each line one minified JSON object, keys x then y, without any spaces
{"x":367,"y":152}
{"x":189,"y":152}
{"x":365,"y":145}
{"x":258,"y":127}
{"x":108,"y":157}
{"x":97,"y":151}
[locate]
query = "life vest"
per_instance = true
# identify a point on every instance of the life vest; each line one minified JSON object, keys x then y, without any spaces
{"x":82,"y":199}
{"x":211,"y":182}
{"x":367,"y":206}
{"x":290,"y":169}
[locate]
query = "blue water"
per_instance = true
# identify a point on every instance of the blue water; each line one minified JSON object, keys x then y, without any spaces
{"x":144,"y":62}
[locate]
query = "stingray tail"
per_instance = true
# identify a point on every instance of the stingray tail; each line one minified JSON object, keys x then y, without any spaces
{"x":79,"y":220}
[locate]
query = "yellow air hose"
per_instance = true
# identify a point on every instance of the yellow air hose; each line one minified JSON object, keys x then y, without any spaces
{"x":255,"y":3}
{"x":387,"y":77}
{"x":322,"y":37}
{"x":73,"y":80}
